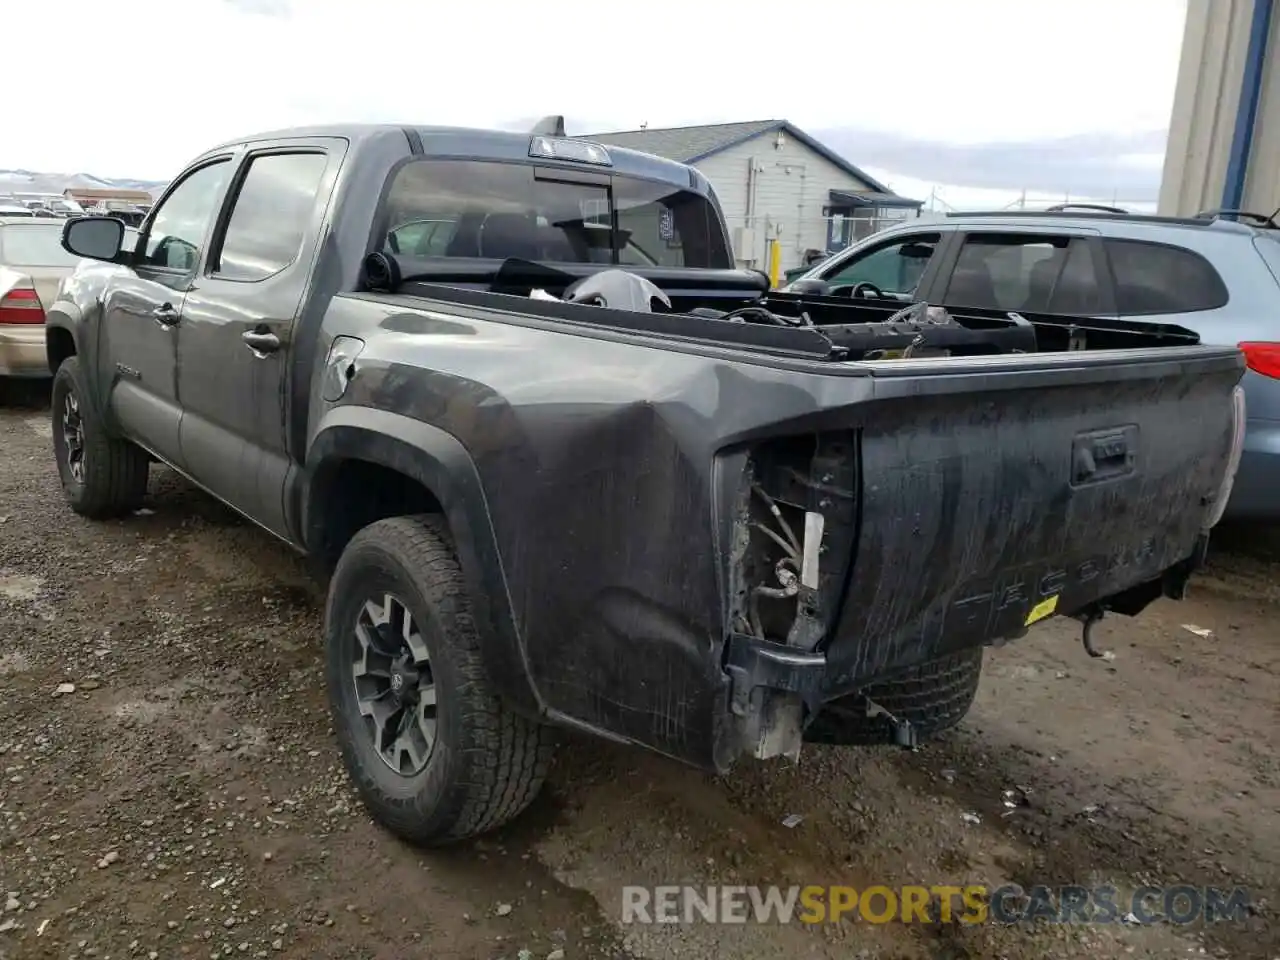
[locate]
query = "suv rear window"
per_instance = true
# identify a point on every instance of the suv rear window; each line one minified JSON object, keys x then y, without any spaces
{"x":493,"y":210}
{"x":1152,"y":278}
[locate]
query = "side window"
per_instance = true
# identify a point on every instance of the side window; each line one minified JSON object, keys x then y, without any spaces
{"x":181,"y":220}
{"x":894,"y":268}
{"x":421,"y":238}
{"x":1077,"y":290}
{"x":271,"y":214}
{"x":1007,"y":271}
{"x":1153,"y":278}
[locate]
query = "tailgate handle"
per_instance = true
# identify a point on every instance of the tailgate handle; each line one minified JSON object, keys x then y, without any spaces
{"x":1103,"y":455}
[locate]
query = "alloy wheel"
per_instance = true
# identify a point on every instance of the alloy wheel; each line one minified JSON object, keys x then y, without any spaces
{"x":73,"y":436}
{"x":394,"y":685}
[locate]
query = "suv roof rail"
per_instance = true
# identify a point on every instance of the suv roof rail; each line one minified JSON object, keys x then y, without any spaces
{"x":1258,"y":219}
{"x":1077,"y":215}
{"x":552,"y":126}
{"x":1095,"y":207}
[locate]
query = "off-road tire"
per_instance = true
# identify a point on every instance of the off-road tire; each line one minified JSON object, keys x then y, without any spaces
{"x":115,"y":470}
{"x":488,"y":762}
{"x":933,"y":697}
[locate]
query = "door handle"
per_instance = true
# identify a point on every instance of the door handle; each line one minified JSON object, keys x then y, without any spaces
{"x":260,"y":342}
{"x":166,"y":315}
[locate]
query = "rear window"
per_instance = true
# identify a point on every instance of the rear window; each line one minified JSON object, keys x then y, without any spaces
{"x":491,"y":210}
{"x":34,"y":245}
{"x":999,"y":271}
{"x":1153,"y":278}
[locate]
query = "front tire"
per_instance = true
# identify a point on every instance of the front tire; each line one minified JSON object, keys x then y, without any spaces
{"x":435,"y":754}
{"x":102,"y":476}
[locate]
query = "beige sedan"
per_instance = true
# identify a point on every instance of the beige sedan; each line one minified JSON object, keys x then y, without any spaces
{"x":32,"y":265}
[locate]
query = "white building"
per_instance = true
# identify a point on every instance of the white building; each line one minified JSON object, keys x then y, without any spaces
{"x":1224,"y":136}
{"x":776,"y":182}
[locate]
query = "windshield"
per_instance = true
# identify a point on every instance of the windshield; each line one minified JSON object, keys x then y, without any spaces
{"x":491,"y":210}
{"x":34,"y":245}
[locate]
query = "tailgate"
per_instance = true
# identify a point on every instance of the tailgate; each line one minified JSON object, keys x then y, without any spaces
{"x":995,"y":492}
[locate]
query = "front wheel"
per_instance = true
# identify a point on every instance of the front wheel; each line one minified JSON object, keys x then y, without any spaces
{"x":102,"y":476}
{"x":434,"y":752}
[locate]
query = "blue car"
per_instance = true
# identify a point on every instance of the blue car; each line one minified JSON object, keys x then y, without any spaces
{"x":1217,"y":274}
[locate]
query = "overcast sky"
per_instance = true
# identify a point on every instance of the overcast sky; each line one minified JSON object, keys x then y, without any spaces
{"x":924,"y":88}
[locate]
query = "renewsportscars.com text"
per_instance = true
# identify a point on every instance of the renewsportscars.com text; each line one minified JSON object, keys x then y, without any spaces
{"x":971,"y":904}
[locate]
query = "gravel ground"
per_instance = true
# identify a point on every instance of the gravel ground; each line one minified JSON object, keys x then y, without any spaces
{"x":170,"y":787}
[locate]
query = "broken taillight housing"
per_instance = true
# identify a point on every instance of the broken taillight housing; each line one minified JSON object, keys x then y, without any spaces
{"x":1238,"y":419}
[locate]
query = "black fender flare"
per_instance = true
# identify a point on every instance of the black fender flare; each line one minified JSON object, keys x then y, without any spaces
{"x":68,"y":327}
{"x":84,"y":349}
{"x":439,"y":462}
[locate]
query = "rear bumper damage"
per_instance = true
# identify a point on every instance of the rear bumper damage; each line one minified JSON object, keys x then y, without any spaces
{"x":856,"y":556}
{"x":775,"y":688}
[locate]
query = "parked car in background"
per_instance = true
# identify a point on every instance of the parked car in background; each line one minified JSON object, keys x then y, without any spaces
{"x":1216,"y":274}
{"x":130,"y":213}
{"x":33,"y":264}
{"x":11,"y":208}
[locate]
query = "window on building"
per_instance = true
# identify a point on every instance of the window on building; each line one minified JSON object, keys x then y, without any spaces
{"x":1154,"y":278}
{"x":272,"y":211}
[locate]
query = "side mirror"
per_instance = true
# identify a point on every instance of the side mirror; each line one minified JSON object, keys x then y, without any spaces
{"x":98,"y":238}
{"x":811,"y":287}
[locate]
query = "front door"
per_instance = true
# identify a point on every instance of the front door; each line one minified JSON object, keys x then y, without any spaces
{"x":233,"y":347}
{"x":142,"y":311}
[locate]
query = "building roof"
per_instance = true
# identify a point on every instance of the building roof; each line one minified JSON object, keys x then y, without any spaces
{"x":873,"y":198}
{"x":691,"y":144}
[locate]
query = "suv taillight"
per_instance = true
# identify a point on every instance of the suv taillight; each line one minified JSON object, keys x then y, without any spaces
{"x":1263,"y":358}
{"x":21,"y":306}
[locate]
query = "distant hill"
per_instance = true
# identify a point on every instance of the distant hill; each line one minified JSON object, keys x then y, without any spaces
{"x":30,"y":181}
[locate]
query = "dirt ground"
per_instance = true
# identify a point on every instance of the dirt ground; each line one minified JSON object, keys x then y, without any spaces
{"x":186,"y":800}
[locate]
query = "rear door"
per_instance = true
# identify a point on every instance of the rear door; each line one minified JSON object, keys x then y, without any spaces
{"x":1043,"y":271}
{"x":233,"y":347}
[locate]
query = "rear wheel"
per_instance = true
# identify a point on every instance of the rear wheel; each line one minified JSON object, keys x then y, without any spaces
{"x":102,"y":476}
{"x":933,"y":696}
{"x":434,"y":752}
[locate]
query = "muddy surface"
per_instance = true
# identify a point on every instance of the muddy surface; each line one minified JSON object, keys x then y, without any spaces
{"x":182,"y":795}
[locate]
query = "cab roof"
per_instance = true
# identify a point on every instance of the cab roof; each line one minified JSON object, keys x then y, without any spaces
{"x":465,"y":143}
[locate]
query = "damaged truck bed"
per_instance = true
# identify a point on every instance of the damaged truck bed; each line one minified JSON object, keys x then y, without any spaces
{"x":568,"y":467}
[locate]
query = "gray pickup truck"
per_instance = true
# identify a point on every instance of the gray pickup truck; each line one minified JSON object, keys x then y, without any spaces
{"x":565,"y":466}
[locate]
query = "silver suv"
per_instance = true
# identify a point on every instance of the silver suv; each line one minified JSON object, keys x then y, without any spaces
{"x":1217,"y":274}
